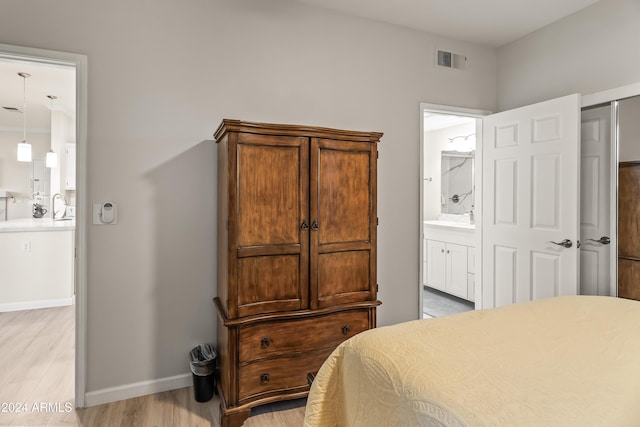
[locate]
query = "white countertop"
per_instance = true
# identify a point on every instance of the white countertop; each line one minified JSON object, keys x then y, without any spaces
{"x":37,"y":224}
{"x":450,"y":224}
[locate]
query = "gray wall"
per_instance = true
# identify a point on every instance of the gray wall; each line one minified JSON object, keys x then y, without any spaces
{"x":590,"y":51}
{"x":629,"y":125}
{"x":162,"y":74}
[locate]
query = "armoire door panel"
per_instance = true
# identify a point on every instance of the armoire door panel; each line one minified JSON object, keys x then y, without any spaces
{"x":269,"y":191}
{"x":269,"y":283}
{"x":272,"y":202}
{"x":342,"y":273}
{"x":343,"y":195}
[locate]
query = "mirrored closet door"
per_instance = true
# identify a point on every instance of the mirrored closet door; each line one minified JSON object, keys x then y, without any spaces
{"x":629,"y":198}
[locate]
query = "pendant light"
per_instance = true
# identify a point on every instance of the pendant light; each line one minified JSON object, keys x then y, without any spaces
{"x":24,"y":148}
{"x":52,"y":158}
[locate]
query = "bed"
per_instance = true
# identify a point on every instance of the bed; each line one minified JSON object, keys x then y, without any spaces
{"x":565,"y":361}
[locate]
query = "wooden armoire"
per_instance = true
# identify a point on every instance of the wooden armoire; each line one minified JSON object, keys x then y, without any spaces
{"x":629,"y":230}
{"x":296,"y":255}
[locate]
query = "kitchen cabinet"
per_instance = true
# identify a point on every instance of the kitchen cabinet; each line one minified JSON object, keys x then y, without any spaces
{"x":296,"y":255}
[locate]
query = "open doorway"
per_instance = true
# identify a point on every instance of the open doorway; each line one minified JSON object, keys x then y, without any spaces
{"x":449,"y":173}
{"x":42,"y":300}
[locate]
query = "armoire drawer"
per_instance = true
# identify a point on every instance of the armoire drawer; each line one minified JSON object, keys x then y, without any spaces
{"x":274,"y":338}
{"x":279,"y":374}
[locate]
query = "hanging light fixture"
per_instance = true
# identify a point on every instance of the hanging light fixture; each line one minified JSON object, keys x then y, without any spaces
{"x":24,"y":148}
{"x":52,"y":158}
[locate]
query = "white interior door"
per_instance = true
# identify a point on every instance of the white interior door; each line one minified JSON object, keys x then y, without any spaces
{"x":530,"y":189}
{"x":595,"y":201}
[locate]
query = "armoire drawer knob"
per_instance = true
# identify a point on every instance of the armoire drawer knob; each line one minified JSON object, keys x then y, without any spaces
{"x":346,"y":329}
{"x":265,"y":342}
{"x":264,"y":378}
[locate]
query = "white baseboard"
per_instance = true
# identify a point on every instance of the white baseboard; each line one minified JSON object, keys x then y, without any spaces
{"x":143,"y":388}
{"x":30,"y":305}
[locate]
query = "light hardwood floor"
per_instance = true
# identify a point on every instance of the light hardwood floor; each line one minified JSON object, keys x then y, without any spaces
{"x":179,"y":408}
{"x":37,"y":381}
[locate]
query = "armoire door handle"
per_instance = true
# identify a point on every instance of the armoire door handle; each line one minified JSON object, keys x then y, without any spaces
{"x":314,"y":225}
{"x":304,"y":225}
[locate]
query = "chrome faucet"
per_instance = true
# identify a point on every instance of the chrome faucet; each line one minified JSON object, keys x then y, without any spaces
{"x":53,"y":205}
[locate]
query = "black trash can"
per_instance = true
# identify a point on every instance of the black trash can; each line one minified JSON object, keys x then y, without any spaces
{"x":203,"y":368}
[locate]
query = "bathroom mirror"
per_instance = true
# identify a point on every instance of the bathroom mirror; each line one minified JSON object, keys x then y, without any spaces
{"x":457,"y":183}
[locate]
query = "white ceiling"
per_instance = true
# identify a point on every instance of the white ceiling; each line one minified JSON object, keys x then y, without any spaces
{"x":46,"y":79}
{"x":487,"y":22}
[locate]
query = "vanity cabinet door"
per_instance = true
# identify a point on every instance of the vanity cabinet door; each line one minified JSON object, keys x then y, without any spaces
{"x":436,"y":264}
{"x":447,"y":268}
{"x":456,"y":270}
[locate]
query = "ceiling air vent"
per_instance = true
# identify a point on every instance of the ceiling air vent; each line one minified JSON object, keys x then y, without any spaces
{"x":451,"y":60}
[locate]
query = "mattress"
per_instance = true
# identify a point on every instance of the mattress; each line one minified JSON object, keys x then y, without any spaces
{"x":565,"y":361}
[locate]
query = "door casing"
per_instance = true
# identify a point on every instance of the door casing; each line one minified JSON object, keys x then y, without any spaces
{"x":453,"y":111}
{"x":79,"y":62}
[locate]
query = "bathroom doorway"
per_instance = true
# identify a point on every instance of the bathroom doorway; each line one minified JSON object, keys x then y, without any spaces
{"x":450,"y":147}
{"x":51,"y":113}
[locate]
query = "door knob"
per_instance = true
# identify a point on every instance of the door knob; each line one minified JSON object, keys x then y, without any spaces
{"x":314,"y":225}
{"x":565,"y":243}
{"x":603,"y":240}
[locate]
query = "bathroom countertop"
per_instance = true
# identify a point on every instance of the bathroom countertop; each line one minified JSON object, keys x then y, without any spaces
{"x":36,"y":224}
{"x":450,"y":224}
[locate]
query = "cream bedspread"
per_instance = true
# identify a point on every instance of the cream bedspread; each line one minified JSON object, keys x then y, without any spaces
{"x":566,"y":361}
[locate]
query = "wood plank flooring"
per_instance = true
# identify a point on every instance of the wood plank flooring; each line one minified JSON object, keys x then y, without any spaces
{"x":179,"y":408}
{"x":37,"y":384}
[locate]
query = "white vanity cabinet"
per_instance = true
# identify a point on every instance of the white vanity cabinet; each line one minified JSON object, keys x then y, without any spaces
{"x":447,"y":267}
{"x":450,"y":259}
